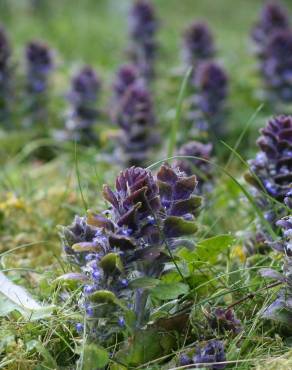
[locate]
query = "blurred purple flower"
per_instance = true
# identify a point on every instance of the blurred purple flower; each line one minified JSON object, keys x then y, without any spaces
{"x":198,"y":44}
{"x":212,"y":352}
{"x":208,"y":105}
{"x":142,"y":28}
{"x":5,"y":76}
{"x":39,"y":65}
{"x":84,"y":92}
{"x":136,"y":119}
{"x":273,"y":18}
{"x":276,"y":66}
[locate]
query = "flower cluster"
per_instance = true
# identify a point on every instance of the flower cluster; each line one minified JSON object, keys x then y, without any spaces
{"x":5,"y":74}
{"x":136,"y":119}
{"x":126,"y":76}
{"x":209,"y":103}
{"x":131,"y":239}
{"x":39,"y":64}
{"x":209,"y":356}
{"x":143,"y":26}
{"x":273,"y":18}
{"x":199,"y":166}
{"x":271,"y":170}
{"x":198,"y":44}
{"x":84,"y":92}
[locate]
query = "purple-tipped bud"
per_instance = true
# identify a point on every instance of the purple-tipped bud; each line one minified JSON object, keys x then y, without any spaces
{"x":142,"y":27}
{"x":212,"y":352}
{"x":273,"y":165}
{"x":136,"y":197}
{"x":224,"y":320}
{"x":177,"y":194}
{"x":84,"y":92}
{"x":137,"y":121}
{"x":211,"y":83}
{"x":198,"y":43}
{"x":276,"y":66}
{"x":273,"y":18}
{"x":196,"y":166}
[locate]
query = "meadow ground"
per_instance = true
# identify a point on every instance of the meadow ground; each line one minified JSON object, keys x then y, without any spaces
{"x":36,"y":197}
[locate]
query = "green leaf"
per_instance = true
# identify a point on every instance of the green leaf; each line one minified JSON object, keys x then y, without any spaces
{"x":111,"y":262}
{"x":177,"y":226}
{"x":15,"y":298}
{"x":144,"y":282}
{"x":94,"y":357}
{"x":103,"y":296}
{"x":169,"y":290}
{"x":145,"y":346}
{"x":209,"y":249}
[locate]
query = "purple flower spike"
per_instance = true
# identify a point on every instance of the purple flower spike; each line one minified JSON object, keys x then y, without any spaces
{"x":202,"y":169}
{"x":276,"y":67}
{"x":130,"y":239}
{"x":39,"y":64}
{"x":142,"y":27}
{"x":136,"y":119}
{"x":273,"y":165}
{"x":213,"y":352}
{"x":273,"y":18}
{"x":5,"y":75}
{"x":209,"y":103}
{"x":198,"y":44}
{"x":126,"y":76}
{"x":84,"y":92}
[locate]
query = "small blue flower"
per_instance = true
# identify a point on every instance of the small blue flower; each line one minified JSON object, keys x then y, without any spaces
{"x":121,"y":321}
{"x":96,"y":274}
{"x":88,"y":289}
{"x":124,"y":283}
{"x":89,"y":311}
{"x":184,"y":359}
{"x":79,"y":327}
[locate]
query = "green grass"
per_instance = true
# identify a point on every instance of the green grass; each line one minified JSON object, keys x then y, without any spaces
{"x":36,"y":197}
